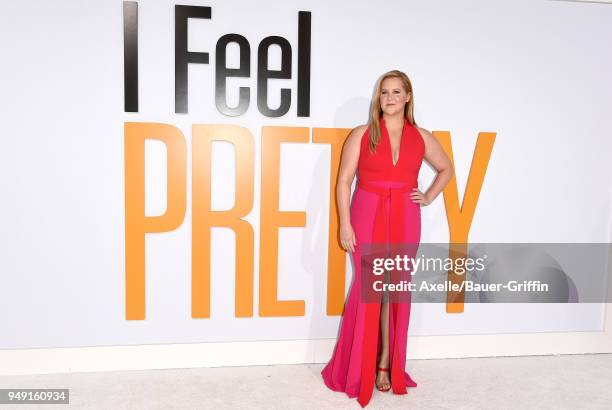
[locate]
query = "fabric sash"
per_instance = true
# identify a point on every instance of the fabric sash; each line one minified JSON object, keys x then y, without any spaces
{"x":388,"y":228}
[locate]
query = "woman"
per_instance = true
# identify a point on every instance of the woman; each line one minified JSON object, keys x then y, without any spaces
{"x":386,"y":154}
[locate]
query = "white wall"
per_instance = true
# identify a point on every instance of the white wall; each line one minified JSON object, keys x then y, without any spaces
{"x":536,"y":73}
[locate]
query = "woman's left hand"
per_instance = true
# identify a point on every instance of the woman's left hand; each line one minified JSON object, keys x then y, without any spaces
{"x":419,"y":197}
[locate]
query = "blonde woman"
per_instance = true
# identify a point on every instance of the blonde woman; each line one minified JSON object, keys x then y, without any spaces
{"x":386,"y":155}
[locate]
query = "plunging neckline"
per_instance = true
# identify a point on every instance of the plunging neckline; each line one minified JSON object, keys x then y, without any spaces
{"x":399,"y":148}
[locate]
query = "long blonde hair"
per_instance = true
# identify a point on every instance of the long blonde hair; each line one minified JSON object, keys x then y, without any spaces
{"x":376,"y":111}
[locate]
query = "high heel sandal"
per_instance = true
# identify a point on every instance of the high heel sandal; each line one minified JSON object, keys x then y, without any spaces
{"x":383,"y":369}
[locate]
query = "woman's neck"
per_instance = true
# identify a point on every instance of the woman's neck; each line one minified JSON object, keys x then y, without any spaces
{"x":395,"y":121}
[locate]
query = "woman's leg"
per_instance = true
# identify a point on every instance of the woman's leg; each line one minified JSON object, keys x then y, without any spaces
{"x":382,"y":378}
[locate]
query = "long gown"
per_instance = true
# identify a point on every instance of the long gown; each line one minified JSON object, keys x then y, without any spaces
{"x":381,"y":212}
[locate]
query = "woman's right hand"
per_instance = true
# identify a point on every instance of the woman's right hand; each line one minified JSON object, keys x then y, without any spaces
{"x":347,"y":237}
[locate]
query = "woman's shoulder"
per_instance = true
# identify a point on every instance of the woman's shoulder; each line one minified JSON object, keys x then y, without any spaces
{"x":421,"y":129}
{"x":358,"y":132}
{"x":426,"y":135}
{"x":355,"y":137}
{"x":361,"y":128}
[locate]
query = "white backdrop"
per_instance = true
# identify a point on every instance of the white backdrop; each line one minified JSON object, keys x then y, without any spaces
{"x":534,"y":72}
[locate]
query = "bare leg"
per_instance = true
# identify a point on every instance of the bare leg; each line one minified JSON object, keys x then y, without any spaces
{"x":382,"y":378}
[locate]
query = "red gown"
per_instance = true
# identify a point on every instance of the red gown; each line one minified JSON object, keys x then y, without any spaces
{"x":382,"y":212}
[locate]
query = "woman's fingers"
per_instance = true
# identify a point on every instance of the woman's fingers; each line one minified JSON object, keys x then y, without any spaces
{"x":418,"y":197}
{"x":349,"y":246}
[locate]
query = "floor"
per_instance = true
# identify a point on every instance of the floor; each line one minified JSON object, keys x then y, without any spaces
{"x":529,"y":382}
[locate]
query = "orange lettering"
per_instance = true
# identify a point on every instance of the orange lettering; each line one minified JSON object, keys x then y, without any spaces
{"x":460,"y":217}
{"x":336,"y":257}
{"x":136,"y":223}
{"x":204,"y":218}
{"x":272,"y":219}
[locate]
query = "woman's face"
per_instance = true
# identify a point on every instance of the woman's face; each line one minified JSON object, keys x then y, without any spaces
{"x":393,"y":97}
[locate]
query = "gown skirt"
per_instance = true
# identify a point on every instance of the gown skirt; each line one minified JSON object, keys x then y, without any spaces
{"x":381,"y":211}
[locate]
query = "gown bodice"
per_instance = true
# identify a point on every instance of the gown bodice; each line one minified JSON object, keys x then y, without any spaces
{"x":378,"y":166}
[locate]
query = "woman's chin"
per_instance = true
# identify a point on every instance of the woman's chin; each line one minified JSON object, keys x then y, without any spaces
{"x":391,"y":111}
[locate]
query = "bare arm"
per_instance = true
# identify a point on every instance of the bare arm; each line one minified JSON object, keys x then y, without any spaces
{"x":437,"y":158}
{"x":348,"y":168}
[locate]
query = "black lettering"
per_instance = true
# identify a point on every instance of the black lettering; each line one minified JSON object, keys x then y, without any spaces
{"x":263,"y":74}
{"x":130,"y":56}
{"x":182,"y":57}
{"x":222,"y":72}
{"x":303,"y":74}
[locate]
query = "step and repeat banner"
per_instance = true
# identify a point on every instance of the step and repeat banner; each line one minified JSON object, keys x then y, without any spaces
{"x":168,"y":169}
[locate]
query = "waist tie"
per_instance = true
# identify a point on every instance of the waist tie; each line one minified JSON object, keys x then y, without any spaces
{"x":389,"y":217}
{"x":388,"y":229}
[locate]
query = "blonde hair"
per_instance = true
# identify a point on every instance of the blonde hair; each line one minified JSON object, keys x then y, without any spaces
{"x":376,"y":111}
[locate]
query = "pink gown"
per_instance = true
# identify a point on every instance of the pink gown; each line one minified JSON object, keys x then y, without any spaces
{"x":382,"y":211}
